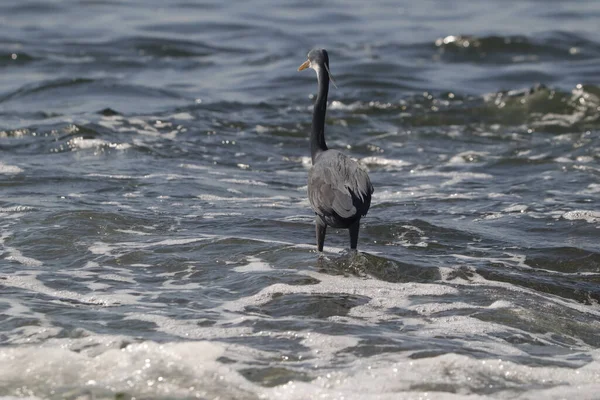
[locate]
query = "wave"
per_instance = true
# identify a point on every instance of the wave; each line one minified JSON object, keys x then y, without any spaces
{"x":15,"y":59}
{"x":499,"y":49}
{"x":538,"y":107}
{"x":90,"y":85}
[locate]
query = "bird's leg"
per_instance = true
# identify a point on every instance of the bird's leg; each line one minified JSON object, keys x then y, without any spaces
{"x":354,"y":234}
{"x":320,"y":230}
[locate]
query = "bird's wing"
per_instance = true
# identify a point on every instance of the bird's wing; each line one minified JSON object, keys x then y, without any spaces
{"x":361,"y":189}
{"x":327,"y":194}
{"x":338,"y":185}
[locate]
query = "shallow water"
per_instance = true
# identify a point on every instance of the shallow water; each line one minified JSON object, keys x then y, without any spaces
{"x":155,"y":236}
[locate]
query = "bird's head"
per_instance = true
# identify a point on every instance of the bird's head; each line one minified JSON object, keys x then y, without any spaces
{"x":317,"y":60}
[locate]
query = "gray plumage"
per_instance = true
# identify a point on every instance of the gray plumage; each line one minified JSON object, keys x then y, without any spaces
{"x":339,"y":191}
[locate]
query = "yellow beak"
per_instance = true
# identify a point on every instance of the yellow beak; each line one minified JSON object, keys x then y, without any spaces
{"x":304,"y":65}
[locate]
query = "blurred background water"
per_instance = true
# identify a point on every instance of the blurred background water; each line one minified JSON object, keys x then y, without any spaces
{"x":155,"y":236}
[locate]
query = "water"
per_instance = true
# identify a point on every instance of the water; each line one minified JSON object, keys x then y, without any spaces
{"x":157,"y":242}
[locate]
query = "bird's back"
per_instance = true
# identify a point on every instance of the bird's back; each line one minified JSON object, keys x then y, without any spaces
{"x":339,"y":190}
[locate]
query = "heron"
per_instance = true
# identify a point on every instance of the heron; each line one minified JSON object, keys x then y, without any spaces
{"x":339,"y":190}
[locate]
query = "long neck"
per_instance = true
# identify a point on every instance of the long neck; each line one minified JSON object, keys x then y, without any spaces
{"x":317,"y":136}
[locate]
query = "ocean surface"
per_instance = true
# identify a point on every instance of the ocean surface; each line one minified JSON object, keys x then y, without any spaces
{"x":156,"y":240}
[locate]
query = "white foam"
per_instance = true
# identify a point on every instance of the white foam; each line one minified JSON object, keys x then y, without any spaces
{"x":16,"y":255}
{"x":111,"y":176}
{"x":262,"y":129}
{"x":452,"y":178}
{"x":500,"y":304}
{"x":388,"y":294}
{"x":468,"y":157}
{"x":80,"y":143}
{"x":585,"y":215}
{"x":149,"y":369}
{"x":255,"y":264}
{"x":494,"y":215}
{"x":449,"y":376}
{"x":172,"y":284}
{"x":423,"y":192}
{"x":189,"y":329}
{"x":298,"y":218}
{"x":194,"y":166}
{"x":585,"y":159}
{"x":405,"y":240}
{"x":518,"y":261}
{"x":563,"y":160}
{"x":338,"y":105}
{"x":184,"y":116}
{"x":241,"y":202}
{"x":132,"y":232}
{"x":515,"y":208}
{"x":234,"y":191}
{"x":396,"y":375}
{"x":29,"y":281}
{"x":592,"y":188}
{"x":28,"y":333}
{"x":457,"y":177}
{"x":385,"y":162}
{"x":116,"y":278}
{"x":102,"y":248}
{"x":250,"y":182}
{"x":9,"y":169}
{"x":306,"y":161}
{"x":539,"y":156}
{"x":17,"y":209}
{"x":106,"y":248}
{"x":212,"y":197}
{"x":143,"y":370}
{"x":212,"y":215}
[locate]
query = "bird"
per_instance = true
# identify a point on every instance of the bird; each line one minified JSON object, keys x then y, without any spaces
{"x":339,"y":190}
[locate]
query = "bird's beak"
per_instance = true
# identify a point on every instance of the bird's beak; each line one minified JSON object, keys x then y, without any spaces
{"x":304,"y":65}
